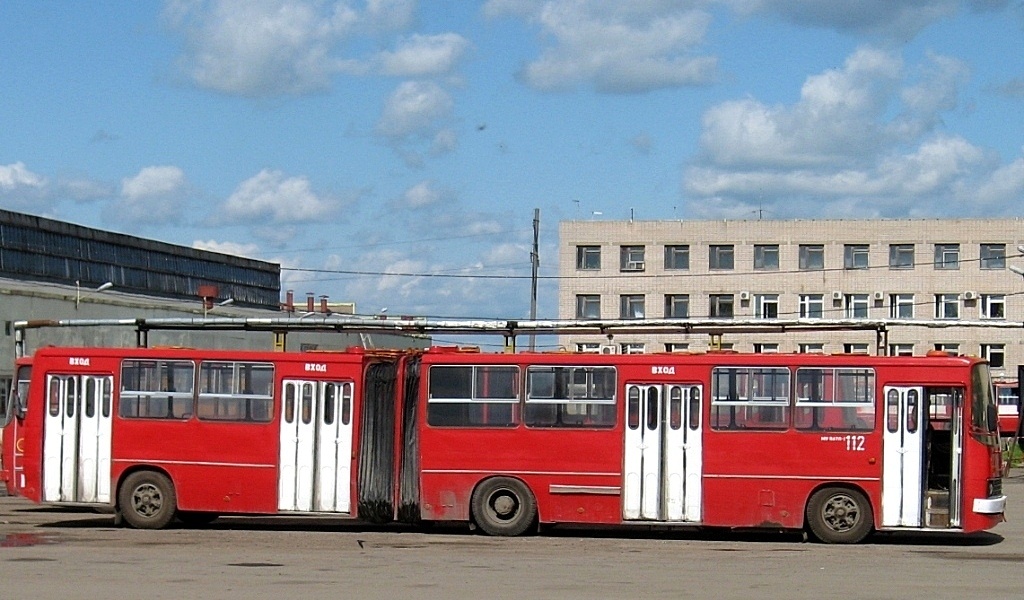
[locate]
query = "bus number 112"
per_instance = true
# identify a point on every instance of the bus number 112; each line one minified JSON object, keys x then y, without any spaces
{"x":854,"y":443}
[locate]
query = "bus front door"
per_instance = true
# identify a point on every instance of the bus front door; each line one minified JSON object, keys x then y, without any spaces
{"x":316,"y":447}
{"x":662,"y":453}
{"x":903,"y":457}
{"x":76,"y":438}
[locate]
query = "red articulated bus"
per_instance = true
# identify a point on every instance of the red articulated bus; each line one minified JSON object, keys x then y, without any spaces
{"x":839,"y":445}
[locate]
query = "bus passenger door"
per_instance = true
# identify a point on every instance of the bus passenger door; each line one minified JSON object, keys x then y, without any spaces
{"x":903,"y":457}
{"x":316,"y":446}
{"x":76,"y":439}
{"x":662,"y":453}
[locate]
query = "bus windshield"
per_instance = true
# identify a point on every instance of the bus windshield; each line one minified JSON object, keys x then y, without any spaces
{"x":984,"y":411}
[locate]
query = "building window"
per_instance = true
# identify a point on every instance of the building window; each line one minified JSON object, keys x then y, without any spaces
{"x":901,"y":256}
{"x":901,"y":349}
{"x":631,"y":306}
{"x":677,"y":306}
{"x":947,"y":306}
{"x":948,"y":348}
{"x":677,"y":347}
{"x":677,"y":257}
{"x":855,"y":256}
{"x":812,"y":257}
{"x":721,"y":306}
{"x":812,"y":306}
{"x":993,"y":256}
{"x":947,"y":256}
{"x":856,"y":306}
{"x":766,"y":306}
{"x":855,"y":348}
{"x":995,"y":354}
{"x":721,"y":257}
{"x":766,"y":348}
{"x":993,"y":306}
{"x":901,"y":306}
{"x":588,"y":258}
{"x":811,"y":348}
{"x":766,"y":257}
{"x":631,"y":258}
{"x":588,"y":347}
{"x":588,"y":306}
{"x":632,"y":348}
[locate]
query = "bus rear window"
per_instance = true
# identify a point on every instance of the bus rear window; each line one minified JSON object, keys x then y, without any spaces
{"x":238,"y":391}
{"x":750,"y":398}
{"x":829,"y":399}
{"x":157,"y":389}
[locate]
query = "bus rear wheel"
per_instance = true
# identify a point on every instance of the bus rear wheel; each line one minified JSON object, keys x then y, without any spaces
{"x":503,"y":506}
{"x":839,"y":516}
{"x":146,"y":500}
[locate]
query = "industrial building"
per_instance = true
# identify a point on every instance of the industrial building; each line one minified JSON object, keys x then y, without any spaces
{"x":953,"y":274}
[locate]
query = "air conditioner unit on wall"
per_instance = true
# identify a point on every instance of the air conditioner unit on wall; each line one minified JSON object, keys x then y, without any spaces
{"x":837,"y":295}
{"x":744,"y":296}
{"x":878,"y":296}
{"x":608,"y":349}
{"x":970,"y":295}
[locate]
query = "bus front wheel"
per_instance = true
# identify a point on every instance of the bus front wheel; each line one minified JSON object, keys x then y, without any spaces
{"x":147,"y":500}
{"x":839,"y":516}
{"x":503,"y":506}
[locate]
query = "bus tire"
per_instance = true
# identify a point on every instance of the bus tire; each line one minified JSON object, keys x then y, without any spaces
{"x":146,"y":500}
{"x":503,"y":506}
{"x":196,"y":519}
{"x":839,"y":516}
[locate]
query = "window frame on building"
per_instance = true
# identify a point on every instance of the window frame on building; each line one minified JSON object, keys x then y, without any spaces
{"x":811,"y":303}
{"x":716,"y":302}
{"x":852,"y":253}
{"x":632,"y":259}
{"x":766,"y":257}
{"x":947,"y":306}
{"x":588,"y":257}
{"x":995,"y":354}
{"x":584,"y":301}
{"x":628,"y":304}
{"x":899,"y":255}
{"x":677,"y":257}
{"x":766,"y":347}
{"x":901,"y":349}
{"x":988,"y":305}
{"x":673,"y":302}
{"x":721,"y":257}
{"x":852,"y":304}
{"x":898,"y":301}
{"x":811,"y":257}
{"x":810,"y":348}
{"x":947,"y":257}
{"x":993,"y":256}
{"x":764,"y":305}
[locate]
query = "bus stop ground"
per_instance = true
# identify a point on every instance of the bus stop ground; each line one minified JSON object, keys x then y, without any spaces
{"x":52,"y":552}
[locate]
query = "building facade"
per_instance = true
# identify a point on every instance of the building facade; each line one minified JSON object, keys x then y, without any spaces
{"x":900,"y":270}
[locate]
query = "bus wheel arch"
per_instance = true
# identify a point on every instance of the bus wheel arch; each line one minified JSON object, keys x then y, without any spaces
{"x":839,"y":514}
{"x":503,"y":506}
{"x":146,"y":499}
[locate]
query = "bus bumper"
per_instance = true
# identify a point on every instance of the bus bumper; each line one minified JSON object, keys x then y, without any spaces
{"x":990,"y":506}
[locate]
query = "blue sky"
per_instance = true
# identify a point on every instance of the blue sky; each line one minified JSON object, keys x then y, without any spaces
{"x":391,"y":152}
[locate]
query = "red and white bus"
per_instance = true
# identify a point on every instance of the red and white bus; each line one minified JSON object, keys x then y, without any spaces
{"x":1008,"y":398}
{"x":840,"y":445}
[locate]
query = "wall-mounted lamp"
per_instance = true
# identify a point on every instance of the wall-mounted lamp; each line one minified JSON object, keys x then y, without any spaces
{"x":78,"y":290}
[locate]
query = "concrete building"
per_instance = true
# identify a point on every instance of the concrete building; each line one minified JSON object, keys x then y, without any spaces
{"x":53,"y":270}
{"x":908,"y":271}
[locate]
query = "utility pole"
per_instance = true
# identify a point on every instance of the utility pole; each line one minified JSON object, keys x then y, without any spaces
{"x":535,"y":263}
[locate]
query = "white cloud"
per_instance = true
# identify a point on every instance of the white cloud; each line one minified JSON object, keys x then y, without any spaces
{"x":424,"y":55}
{"x":269,"y":195}
{"x":262,"y":47}
{"x":230,"y":248}
{"x":414,"y":109}
{"x":619,"y":47}
{"x":862,"y":140}
{"x":154,"y":196}
{"x":16,"y":176}
{"x":423,"y":194}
